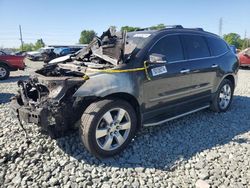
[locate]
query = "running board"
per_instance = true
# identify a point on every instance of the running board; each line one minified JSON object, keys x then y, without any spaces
{"x":175,"y":117}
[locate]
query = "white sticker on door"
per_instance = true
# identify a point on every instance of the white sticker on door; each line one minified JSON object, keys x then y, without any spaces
{"x":159,"y":70}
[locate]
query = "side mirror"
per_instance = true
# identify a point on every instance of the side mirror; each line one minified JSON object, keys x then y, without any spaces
{"x":157,"y":58}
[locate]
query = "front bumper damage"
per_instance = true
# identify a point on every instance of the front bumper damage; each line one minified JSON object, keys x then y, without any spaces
{"x":46,"y":99}
{"x":47,"y":102}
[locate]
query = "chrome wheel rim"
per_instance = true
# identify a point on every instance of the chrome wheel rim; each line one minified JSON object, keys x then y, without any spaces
{"x":225,"y":96}
{"x":3,"y":72}
{"x":113,"y":129}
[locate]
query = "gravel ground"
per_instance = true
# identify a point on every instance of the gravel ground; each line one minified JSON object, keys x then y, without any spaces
{"x":204,"y":149}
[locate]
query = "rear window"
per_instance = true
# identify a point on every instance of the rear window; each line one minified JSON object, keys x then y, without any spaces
{"x":196,"y":46}
{"x":217,"y":46}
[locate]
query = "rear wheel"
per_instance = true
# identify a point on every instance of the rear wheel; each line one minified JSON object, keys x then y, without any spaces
{"x":108,"y":126}
{"x":4,"y":72}
{"x":223,"y":97}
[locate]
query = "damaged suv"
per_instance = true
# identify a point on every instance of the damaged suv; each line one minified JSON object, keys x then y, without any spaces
{"x":124,"y":81}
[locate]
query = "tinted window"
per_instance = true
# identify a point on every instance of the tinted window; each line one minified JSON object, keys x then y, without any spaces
{"x":195,"y":46}
{"x":217,"y":46}
{"x":65,"y":51}
{"x":169,"y":46}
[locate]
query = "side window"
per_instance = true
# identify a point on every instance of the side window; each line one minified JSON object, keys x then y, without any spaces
{"x":170,"y":46}
{"x":217,"y":46}
{"x":196,"y":46}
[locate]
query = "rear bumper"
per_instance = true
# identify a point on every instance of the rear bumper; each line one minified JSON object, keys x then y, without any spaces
{"x":244,"y":65}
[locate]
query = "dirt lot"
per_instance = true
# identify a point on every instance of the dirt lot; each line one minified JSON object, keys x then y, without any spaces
{"x":203,"y":149}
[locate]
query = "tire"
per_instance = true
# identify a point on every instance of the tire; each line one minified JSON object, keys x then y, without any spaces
{"x":220,"y":95}
{"x":4,"y":72}
{"x":95,"y":119}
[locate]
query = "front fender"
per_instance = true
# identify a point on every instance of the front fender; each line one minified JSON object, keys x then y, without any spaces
{"x":103,"y":84}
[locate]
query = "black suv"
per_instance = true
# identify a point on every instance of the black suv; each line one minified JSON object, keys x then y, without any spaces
{"x":124,"y":81}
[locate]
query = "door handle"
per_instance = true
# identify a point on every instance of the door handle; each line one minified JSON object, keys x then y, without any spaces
{"x":185,"y":71}
{"x":214,"y":66}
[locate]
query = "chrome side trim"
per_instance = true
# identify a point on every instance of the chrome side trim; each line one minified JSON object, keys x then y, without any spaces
{"x":175,"y":117}
{"x":193,"y":91}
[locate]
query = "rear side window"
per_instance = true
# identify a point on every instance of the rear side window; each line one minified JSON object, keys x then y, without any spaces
{"x":217,"y":46}
{"x":170,"y":46}
{"x":196,"y":46}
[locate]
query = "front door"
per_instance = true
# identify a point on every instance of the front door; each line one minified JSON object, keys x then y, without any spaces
{"x":171,"y":83}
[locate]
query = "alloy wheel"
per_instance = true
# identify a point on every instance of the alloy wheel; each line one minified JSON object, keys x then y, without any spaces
{"x":113,"y":129}
{"x":3,"y":72}
{"x":225,"y":96}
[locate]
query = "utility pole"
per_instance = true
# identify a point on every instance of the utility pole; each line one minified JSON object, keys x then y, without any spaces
{"x":21,"y":36}
{"x":220,"y":27}
{"x":245,"y":41}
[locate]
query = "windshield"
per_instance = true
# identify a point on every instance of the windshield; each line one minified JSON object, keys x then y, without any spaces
{"x":139,"y":39}
{"x":41,"y":50}
{"x":136,"y":40}
{"x":58,"y":50}
{"x":113,"y":47}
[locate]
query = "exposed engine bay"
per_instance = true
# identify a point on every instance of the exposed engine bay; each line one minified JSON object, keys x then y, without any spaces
{"x":103,"y":52}
{"x":47,"y":98}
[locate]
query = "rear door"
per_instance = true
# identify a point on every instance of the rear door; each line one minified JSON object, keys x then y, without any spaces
{"x":202,"y":68}
{"x":219,"y":49}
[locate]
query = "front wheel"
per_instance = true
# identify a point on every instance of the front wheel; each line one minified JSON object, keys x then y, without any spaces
{"x":4,"y":72}
{"x":108,"y":126}
{"x":223,"y":97}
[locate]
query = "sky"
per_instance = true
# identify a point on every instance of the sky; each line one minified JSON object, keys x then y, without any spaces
{"x":61,"y":21}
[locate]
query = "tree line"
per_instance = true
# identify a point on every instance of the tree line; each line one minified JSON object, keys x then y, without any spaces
{"x":86,"y":36}
{"x":30,"y":46}
{"x":235,"y":39}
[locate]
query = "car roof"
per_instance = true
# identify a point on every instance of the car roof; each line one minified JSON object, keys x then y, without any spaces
{"x":47,"y":48}
{"x":177,"y":29}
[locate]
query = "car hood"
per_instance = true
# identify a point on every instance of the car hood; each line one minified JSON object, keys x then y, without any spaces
{"x":60,"y":59}
{"x":33,"y":53}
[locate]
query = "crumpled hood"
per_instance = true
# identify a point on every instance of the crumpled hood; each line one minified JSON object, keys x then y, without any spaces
{"x":109,"y":47}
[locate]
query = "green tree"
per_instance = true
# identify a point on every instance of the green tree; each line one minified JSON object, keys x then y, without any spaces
{"x":245,"y":43}
{"x":39,"y":44}
{"x":87,"y":36}
{"x":154,"y":27}
{"x":157,"y":27}
{"x":27,"y":47}
{"x":129,"y":28}
{"x":234,"y":39}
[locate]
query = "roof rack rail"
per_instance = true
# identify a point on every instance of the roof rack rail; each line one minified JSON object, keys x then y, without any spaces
{"x":171,"y":27}
{"x":198,"y":28}
{"x":143,"y":29}
{"x":174,"y":26}
{"x":167,"y":27}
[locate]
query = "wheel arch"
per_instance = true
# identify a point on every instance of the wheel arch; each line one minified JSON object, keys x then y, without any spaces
{"x":5,"y":63}
{"x":231,"y":78}
{"x":119,"y":95}
{"x":132,"y":101}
